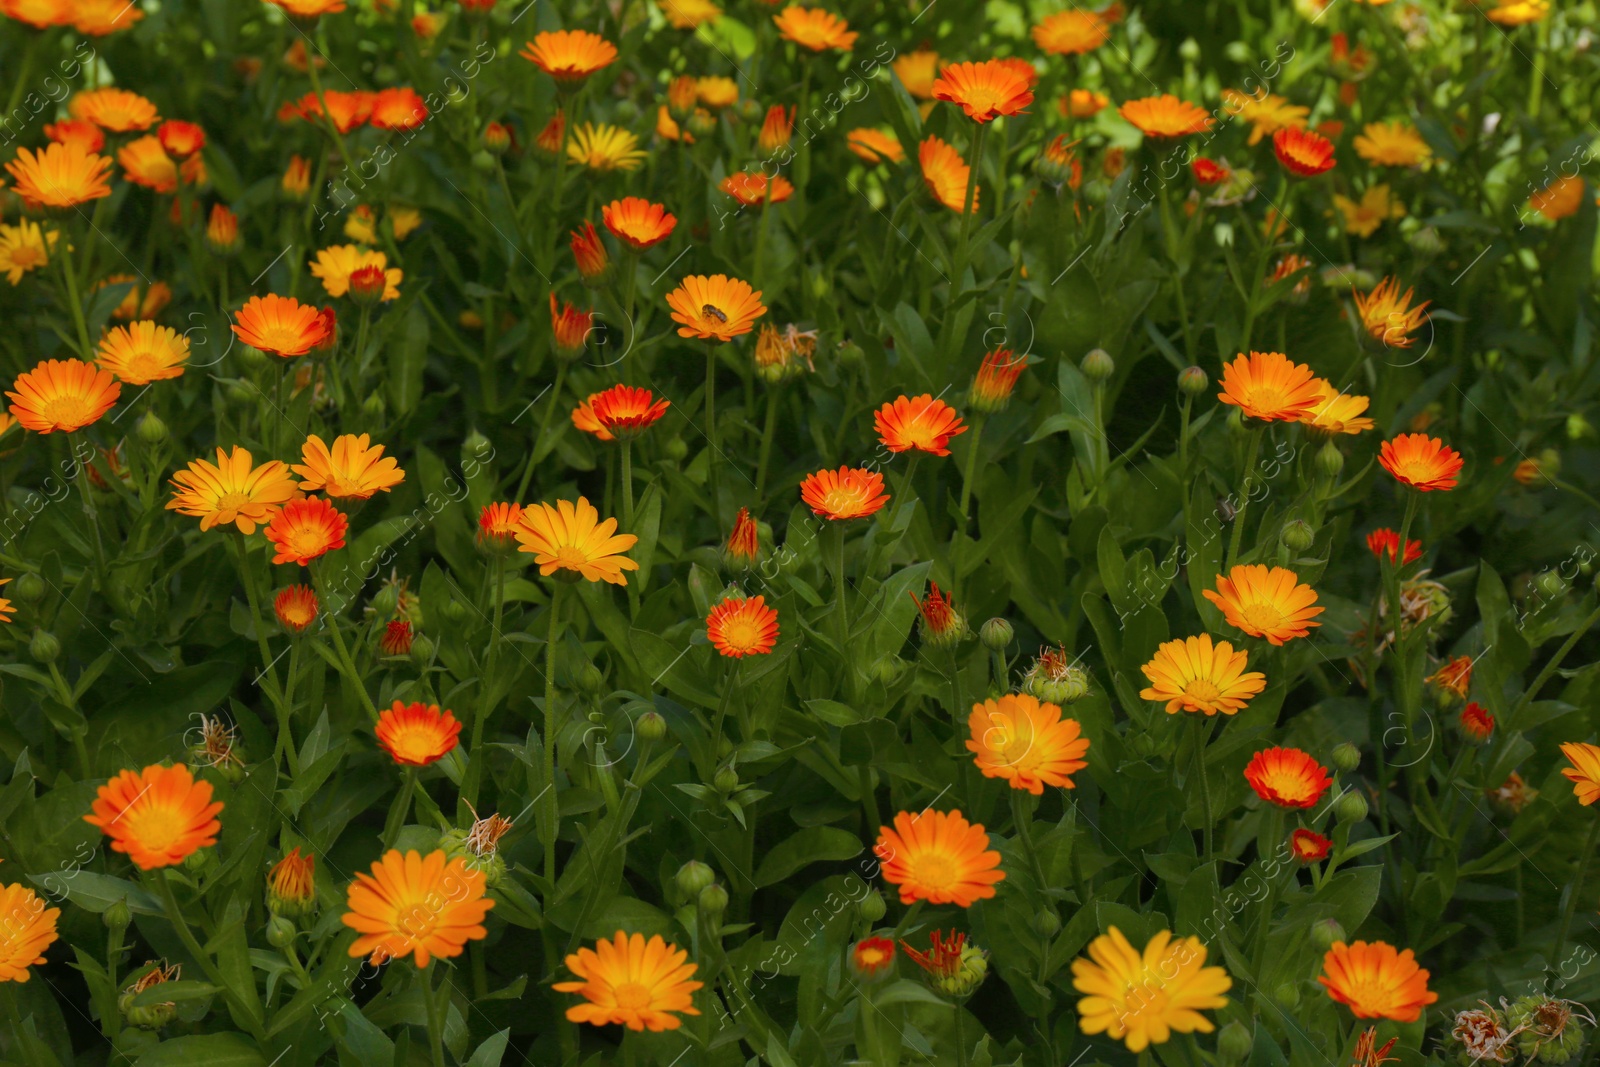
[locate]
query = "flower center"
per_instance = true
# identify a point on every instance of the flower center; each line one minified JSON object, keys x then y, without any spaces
{"x":234,"y":501}
{"x":154,"y":827}
{"x":416,"y":921}
{"x":1202,"y":691}
{"x":570,"y":556}
{"x":741,"y":633}
{"x":66,"y":410}
{"x":1288,"y":785}
{"x":416,"y":744}
{"x":934,"y":871}
{"x":1261,"y":616}
{"x":632,"y":996}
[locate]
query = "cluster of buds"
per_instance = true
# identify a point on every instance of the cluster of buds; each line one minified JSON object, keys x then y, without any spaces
{"x":1547,"y":1029}
{"x":1055,"y":679}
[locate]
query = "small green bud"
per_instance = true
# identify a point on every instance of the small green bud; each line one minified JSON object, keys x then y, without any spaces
{"x":29,"y":588}
{"x":117,"y":916}
{"x":996,"y":635}
{"x":887,"y":669}
{"x":151,"y":430}
{"x":626,"y":111}
{"x":456,"y":611}
{"x":1550,"y":586}
{"x":1324,"y":932}
{"x":1287,"y":995}
{"x":652,"y":726}
{"x":280,"y":932}
{"x":386,"y":600}
{"x":590,"y":680}
{"x":1047,"y":924}
{"x":1189,"y":50}
{"x":44,"y":648}
{"x":198,"y":860}
{"x":872,"y":907}
{"x":1098,"y":365}
{"x":1234,"y":1043}
{"x":1578,"y":427}
{"x":1346,"y":757}
{"x":851,"y":354}
{"x":1330,"y":461}
{"x":712,"y":901}
{"x":1427,"y":241}
{"x":1352,"y":807}
{"x":677,"y":449}
{"x":483,"y":161}
{"x":726,"y":780}
{"x":695,"y":876}
{"x":422,"y":649}
{"x":238,"y":390}
{"x":1298,"y":536}
{"x":373,"y":406}
{"x":476,"y":448}
{"x":1192,"y":381}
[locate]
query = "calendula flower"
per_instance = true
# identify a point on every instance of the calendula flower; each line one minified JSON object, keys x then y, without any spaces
{"x":116,"y":110}
{"x":59,"y":175}
{"x":1287,"y":777}
{"x":916,"y":71}
{"x":1518,"y":12}
{"x":946,"y":174}
{"x":954,"y":966}
{"x":938,"y":857}
{"x":569,"y":56}
{"x":29,"y":929}
{"x":1303,"y":153}
{"x":421,"y":906}
{"x":741,"y":626}
{"x":416,"y":734}
{"x":1165,"y":116}
{"x":750,"y":189}
{"x":222,"y":230}
{"x":604,"y":147}
{"x":583,"y":419}
{"x":593,"y":262}
{"x":688,"y":14}
{"x":717,"y":91}
{"x":497,"y":525}
{"x":996,"y":378}
{"x":157,"y":817}
{"x":1308,"y":846}
{"x":1385,"y":542}
{"x":1208,"y":171}
{"x":872,"y":957}
{"x":80,"y":132}
{"x":309,"y":9}
{"x":304,"y":530}
{"x":181,"y":138}
{"x":668,"y":129}
{"x":1026,"y":743}
{"x":921,"y":423}
{"x":1142,"y":998}
{"x":143,"y":352}
{"x":296,"y":180}
{"x":397,"y":638}
{"x":777,"y":129}
{"x":296,"y":608}
{"x":353,"y":468}
{"x":1584,"y":774}
{"x":1476,"y":722}
{"x":638,"y":223}
{"x":282,"y":326}
{"x":848,"y":493}
{"x":626,"y":411}
{"x":1376,"y":206}
{"x":40,"y":14}
{"x":875,"y":146}
{"x":571,"y":538}
{"x":1265,"y":112}
{"x":1376,"y":982}
{"x":1422,"y":462}
{"x":1265,"y":602}
{"x":814,"y":28}
{"x":1082,"y":104}
{"x":718,"y":308}
{"x":291,"y":884}
{"x":62,"y":395}
{"x":338,"y":265}
{"x":24,"y":247}
{"x":1337,"y":412}
{"x":1387,"y":315}
{"x":1392,"y":144}
{"x":398,"y":108}
{"x":362,"y":225}
{"x":144,"y":162}
{"x":1454,"y":676}
{"x":1271,"y":387}
{"x":1558,"y":200}
{"x":984,"y":90}
{"x":1192,"y":674}
{"x":643,"y":985}
{"x":346,"y":111}
{"x":1072,"y":33}
{"x":231,"y":491}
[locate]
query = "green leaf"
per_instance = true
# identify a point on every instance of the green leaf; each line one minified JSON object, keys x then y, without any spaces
{"x":210,"y":1050}
{"x":813,"y":845}
{"x":96,"y":892}
{"x":175,"y":992}
{"x":491,"y":1051}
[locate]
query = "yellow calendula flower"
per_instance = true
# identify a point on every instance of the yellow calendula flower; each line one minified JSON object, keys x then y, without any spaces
{"x":604,"y":147}
{"x":1376,"y":206}
{"x":23,"y":248}
{"x":1142,"y":998}
{"x":1392,"y":144}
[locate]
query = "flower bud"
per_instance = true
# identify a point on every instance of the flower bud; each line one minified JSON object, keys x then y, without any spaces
{"x":1547,"y":1029}
{"x":1046,"y":924}
{"x":238,"y":390}
{"x":280,"y":932}
{"x":712,"y":901}
{"x":1346,"y":757}
{"x":695,"y":876}
{"x":702,"y":123}
{"x":1550,"y":586}
{"x":1324,"y":932}
{"x":151,"y":430}
{"x":590,"y":680}
{"x":850,"y":354}
{"x":483,"y":161}
{"x":1298,"y":536}
{"x":1330,"y":461}
{"x":497,"y":138}
{"x":373,"y":406}
{"x":726,"y":780}
{"x":368,"y":284}
{"x":1352,"y":807}
{"x":886,"y":670}
{"x":1427,"y":241}
{"x":1098,"y":365}
{"x":652,"y":726}
{"x":45,"y":647}
{"x":677,"y":449}
{"x":422,"y":649}
{"x":1192,"y":381}
{"x":1234,"y":1043}
{"x":996,"y":635}
{"x":1287,"y":995}
{"x":29,"y":588}
{"x":117,"y":916}
{"x":969,"y":973}
{"x":872,"y":907}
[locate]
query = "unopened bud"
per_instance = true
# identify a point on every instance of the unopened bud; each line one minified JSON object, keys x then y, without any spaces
{"x":422,"y":649}
{"x":1298,"y":536}
{"x":726,"y":780}
{"x":45,"y":647}
{"x":1192,"y":381}
{"x":1550,"y":586}
{"x":1287,"y":995}
{"x":1330,"y":461}
{"x":456,"y":611}
{"x":695,"y":876}
{"x":1352,"y":807}
{"x":280,"y":932}
{"x":886,"y":670}
{"x":652,"y":726}
{"x":373,"y":406}
{"x":151,"y":430}
{"x":1324,"y":932}
{"x":850,"y":354}
{"x":483,"y":161}
{"x":117,"y":916}
{"x":1047,"y":924}
{"x":712,"y":901}
{"x":1234,"y":1043}
{"x":872,"y":907}
{"x":1346,"y":757}
{"x":368,"y":284}
{"x":677,"y":449}
{"x":28,"y":589}
{"x":996,"y":635}
{"x":1098,"y":365}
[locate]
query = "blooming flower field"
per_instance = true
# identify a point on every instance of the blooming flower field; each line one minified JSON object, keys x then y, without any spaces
{"x":673,"y":532}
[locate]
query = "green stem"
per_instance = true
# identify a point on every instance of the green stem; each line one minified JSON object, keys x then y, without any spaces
{"x":968,"y":208}
{"x":630,"y":287}
{"x":1022,"y":816}
{"x":1571,"y":904}
{"x":348,"y":668}
{"x":712,"y":459}
{"x":213,"y":975}
{"x":767,"y":433}
{"x":435,"y":1023}
{"x":1201,"y":729}
{"x":285,"y":746}
{"x":400,"y":809}
{"x":75,"y":302}
{"x":91,"y":514}
{"x":550,"y":728}
{"x":627,"y":485}
{"x":1550,"y":668}
{"x":476,"y":758}
{"x":322,"y":102}
{"x":1251,"y":458}
{"x":970,"y":470}
{"x":534,"y":455}
{"x":253,"y":597}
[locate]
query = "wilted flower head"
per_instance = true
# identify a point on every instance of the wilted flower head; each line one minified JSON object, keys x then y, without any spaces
{"x":953,"y":966}
{"x":1055,"y":678}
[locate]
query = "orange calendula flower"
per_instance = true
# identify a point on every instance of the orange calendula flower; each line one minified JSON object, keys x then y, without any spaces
{"x":1454,"y":676}
{"x":29,"y":929}
{"x":1025,"y":742}
{"x":941,"y":624}
{"x":920,"y":423}
{"x":875,"y":146}
{"x":1518,"y":12}
{"x":282,"y":326}
{"x":1387,"y":314}
{"x":777,"y":129}
{"x":1422,"y":462}
{"x":1584,"y":774}
{"x":593,"y":263}
{"x":1265,"y":602}
{"x":59,"y":175}
{"x":1376,"y":982}
{"x":1392,"y":144}
{"x":1385,"y":542}
{"x":946,"y":174}
{"x":156,"y":817}
{"x":232,"y":490}
{"x":1304,"y":153}
{"x":346,"y":111}
{"x":744,"y":543}
{"x":848,"y":493}
{"x":626,"y":411}
{"x":1337,"y":412}
{"x":569,"y":327}
{"x":872,"y":957}
{"x":750,"y":189}
{"x":603,"y":147}
{"x":181,"y":138}
{"x":143,"y":352}
{"x":1476,"y":722}
{"x":916,"y":71}
{"x":984,"y":90}
{"x":418,"y":906}
{"x":1555,"y":201}
{"x":1072,"y":33}
{"x":296,"y":608}
{"x":996,"y":378}
{"x":938,"y":857}
{"x":1192,"y":674}
{"x":1270,"y":386}
{"x":352,"y":468}
{"x":1308,"y":846}
{"x":40,"y":14}
{"x":80,"y":132}
{"x":1265,"y":112}
{"x":1142,"y":998}
{"x":303,"y":530}
{"x":742,"y":626}
{"x":637,"y":222}
{"x":222,"y":229}
{"x":116,"y":110}
{"x":1287,"y":777}
{"x":291,"y":883}
{"x":1166,"y":116}
{"x":309,"y":9}
{"x":1378,"y":204}
{"x":814,"y":28}
{"x":571,"y":538}
{"x":62,"y":395}
{"x":144,"y":162}
{"x":687,"y":14}
{"x":583,"y":419}
{"x":1082,"y":104}
{"x":569,"y":56}
{"x":643,"y":985}
{"x":717,"y":91}
{"x":337,"y":266}
{"x":396,"y":639}
{"x":497,"y":525}
{"x":416,"y":734}
{"x":717,"y":308}
{"x":1209,"y":171}
{"x":398,"y":108}
{"x":296,"y":181}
